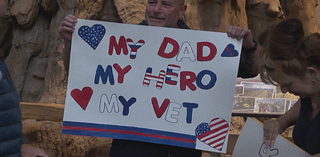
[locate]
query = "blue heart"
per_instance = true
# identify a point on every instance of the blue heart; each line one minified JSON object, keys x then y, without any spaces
{"x":92,"y":35}
{"x":229,"y":51}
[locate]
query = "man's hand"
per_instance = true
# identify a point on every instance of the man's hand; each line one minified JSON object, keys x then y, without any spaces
{"x":241,"y":33}
{"x":28,"y":151}
{"x":66,"y":28}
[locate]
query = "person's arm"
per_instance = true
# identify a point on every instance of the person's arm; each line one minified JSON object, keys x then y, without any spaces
{"x":317,"y":155}
{"x":272,"y":128}
{"x":66,"y":29}
{"x":29,"y":151}
{"x":248,"y":66}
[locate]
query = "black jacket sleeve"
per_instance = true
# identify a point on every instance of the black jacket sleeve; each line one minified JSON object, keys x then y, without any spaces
{"x":247,"y":57}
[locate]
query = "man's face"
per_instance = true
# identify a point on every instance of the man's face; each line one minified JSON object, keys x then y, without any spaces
{"x":164,"y":13}
{"x":3,"y":6}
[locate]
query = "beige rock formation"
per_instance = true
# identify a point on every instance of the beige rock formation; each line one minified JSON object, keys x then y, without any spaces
{"x":29,"y":50}
{"x":216,"y":15}
{"x":55,"y":80}
{"x":305,"y":10}
{"x":32,"y":48}
{"x":136,"y":7}
{"x":261,"y":13}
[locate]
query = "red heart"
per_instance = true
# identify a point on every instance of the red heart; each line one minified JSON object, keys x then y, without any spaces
{"x":82,"y":97}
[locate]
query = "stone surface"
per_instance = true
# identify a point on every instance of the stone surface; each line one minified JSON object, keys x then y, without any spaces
{"x":261,"y":13}
{"x":47,"y":136}
{"x":35,"y":32}
{"x":25,"y":12}
{"x":305,"y":10}
{"x":216,"y":15}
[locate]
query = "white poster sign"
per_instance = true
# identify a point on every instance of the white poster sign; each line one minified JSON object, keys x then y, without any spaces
{"x":250,"y":143}
{"x":153,"y":84}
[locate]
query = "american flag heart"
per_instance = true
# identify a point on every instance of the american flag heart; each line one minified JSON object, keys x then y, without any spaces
{"x":214,"y":133}
{"x":92,"y":35}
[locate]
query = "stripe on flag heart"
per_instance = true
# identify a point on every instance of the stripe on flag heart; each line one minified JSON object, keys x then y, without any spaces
{"x":213,"y":134}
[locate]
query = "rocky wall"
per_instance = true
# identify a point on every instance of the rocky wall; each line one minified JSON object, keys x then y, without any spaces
{"x":32,"y":48}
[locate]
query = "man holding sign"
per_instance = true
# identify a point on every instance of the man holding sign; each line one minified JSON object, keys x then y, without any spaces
{"x":164,"y":13}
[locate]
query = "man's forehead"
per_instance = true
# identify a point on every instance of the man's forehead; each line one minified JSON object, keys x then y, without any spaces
{"x":179,"y":1}
{"x":175,"y":1}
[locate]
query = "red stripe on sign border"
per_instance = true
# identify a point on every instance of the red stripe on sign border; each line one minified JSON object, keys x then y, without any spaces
{"x":127,"y":132}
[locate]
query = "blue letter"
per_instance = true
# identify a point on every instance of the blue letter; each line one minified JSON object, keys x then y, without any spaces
{"x":212,"y":80}
{"x":189,"y":107}
{"x":126,"y":104}
{"x":104,"y":75}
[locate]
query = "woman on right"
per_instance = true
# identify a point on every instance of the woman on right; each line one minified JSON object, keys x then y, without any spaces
{"x":292,"y":60}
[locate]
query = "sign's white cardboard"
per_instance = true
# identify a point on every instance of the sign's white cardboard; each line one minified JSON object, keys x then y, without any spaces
{"x":250,"y":143}
{"x":152,"y":84}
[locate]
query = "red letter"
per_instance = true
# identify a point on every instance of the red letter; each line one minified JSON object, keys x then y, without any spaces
{"x":213,"y":51}
{"x":159,"y":110}
{"x":121,"y":72}
{"x":118,"y":47}
{"x":184,"y":81}
{"x":163,"y":46}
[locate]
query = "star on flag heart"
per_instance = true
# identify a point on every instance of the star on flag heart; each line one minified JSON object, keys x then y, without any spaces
{"x":229,"y":51}
{"x":214,"y":133}
{"x":82,"y":97}
{"x":92,"y":35}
